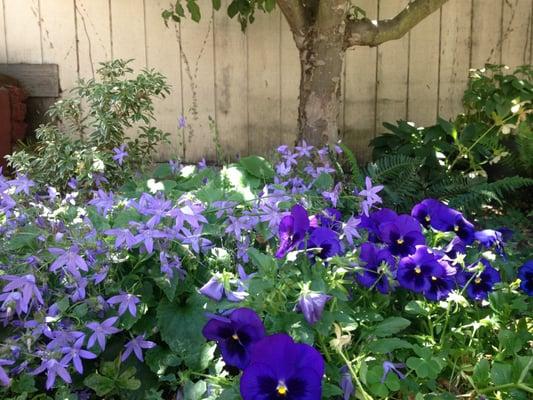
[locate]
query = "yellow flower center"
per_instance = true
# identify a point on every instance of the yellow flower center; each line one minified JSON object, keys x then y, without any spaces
{"x":418,"y":270}
{"x":456,"y":228}
{"x":282,"y":389}
{"x":428,"y":218}
{"x":235,"y":336}
{"x":433,"y":278}
{"x":477,"y":280}
{"x":399,"y":241}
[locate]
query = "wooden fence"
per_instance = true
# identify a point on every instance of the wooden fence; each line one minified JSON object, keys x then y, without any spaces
{"x":245,"y":86}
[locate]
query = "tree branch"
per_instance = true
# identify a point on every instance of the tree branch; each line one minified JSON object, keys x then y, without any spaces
{"x":365,"y":32}
{"x":295,"y":15}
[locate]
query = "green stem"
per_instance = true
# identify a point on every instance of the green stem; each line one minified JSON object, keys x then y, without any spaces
{"x":362,"y":391}
{"x":521,"y":386}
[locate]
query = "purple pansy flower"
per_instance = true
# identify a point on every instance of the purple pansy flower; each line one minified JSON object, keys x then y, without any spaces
{"x":100,"y":330}
{"x":120,"y":154}
{"x":373,"y":274}
{"x":492,"y":238}
{"x":481,"y":278}
{"x":402,"y":235}
{"x":326,"y":240}
{"x":127,"y":302}
{"x":372,"y":222}
{"x":234,"y":333}
{"x":292,"y":230}
{"x":75,"y":353}
{"x":525,"y":274}
{"x":282,"y":369}
{"x":424,"y":272}
{"x":311,"y":305}
{"x":136,"y":345}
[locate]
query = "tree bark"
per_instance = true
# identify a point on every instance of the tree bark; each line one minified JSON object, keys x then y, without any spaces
{"x":321,"y":60}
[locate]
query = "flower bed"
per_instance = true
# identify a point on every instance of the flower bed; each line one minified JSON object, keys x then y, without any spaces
{"x":255,"y":282}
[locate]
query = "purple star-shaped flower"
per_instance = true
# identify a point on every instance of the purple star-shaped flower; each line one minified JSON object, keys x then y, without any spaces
{"x":26,"y":284}
{"x":370,"y":195}
{"x":135,"y":346}
{"x":120,"y":154}
{"x":4,"y":378}
{"x":123,"y":237}
{"x":53,"y":369}
{"x":69,"y":259}
{"x":75,"y":353}
{"x":100,"y":330}
{"x":127,"y":302}
{"x":394,"y":367}
{"x":349,"y":229}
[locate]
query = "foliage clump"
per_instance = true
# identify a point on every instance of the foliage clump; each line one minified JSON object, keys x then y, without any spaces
{"x":87,"y":135}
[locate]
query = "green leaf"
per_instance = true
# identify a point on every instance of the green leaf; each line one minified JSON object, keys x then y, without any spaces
{"x":501,"y":373}
{"x":25,"y":237}
{"x":23,"y":384}
{"x":481,"y":374}
{"x":270,"y":5}
{"x":233,"y":8}
{"x":181,"y":328}
{"x":194,"y":391}
{"x":160,"y":358}
{"x":100,"y":384}
{"x":162,"y":171}
{"x":216,"y":4}
{"x":258,"y":167}
{"x":390,"y":326}
{"x":323,"y":182}
{"x":127,"y":380}
{"x":416,"y":307}
{"x":388,"y":345}
{"x":264,"y":262}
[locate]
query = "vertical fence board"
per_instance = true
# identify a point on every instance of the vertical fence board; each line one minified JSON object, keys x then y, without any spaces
{"x":263,"y":38}
{"x":162,"y":52}
{"x":23,"y":32}
{"x":516,"y":22}
{"x":486,"y":32}
{"x":392,"y":71}
{"x":3,"y":42}
{"x":59,"y":40}
{"x":360,"y":93}
{"x":424,"y":71}
{"x":128,"y":36}
{"x":198,"y":75}
{"x":231,"y":84}
{"x":290,"y":78}
{"x":94,"y":35}
{"x":454,"y":56}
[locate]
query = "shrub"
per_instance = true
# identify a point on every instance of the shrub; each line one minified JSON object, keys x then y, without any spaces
{"x":170,"y":287}
{"x":86,"y":136}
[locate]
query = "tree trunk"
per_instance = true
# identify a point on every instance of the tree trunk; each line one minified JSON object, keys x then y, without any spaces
{"x":321,"y":58}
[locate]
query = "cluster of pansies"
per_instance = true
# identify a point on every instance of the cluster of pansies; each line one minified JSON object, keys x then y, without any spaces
{"x":78,"y":271}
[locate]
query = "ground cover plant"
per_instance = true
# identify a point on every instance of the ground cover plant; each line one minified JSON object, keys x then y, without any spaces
{"x":256,"y":281}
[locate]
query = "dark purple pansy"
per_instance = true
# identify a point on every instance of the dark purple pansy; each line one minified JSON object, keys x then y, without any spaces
{"x":374,"y":274}
{"x":292,"y":230}
{"x":311,"y":305}
{"x":282,"y":369}
{"x":525,"y":274}
{"x":455,"y":247}
{"x":372,"y":222}
{"x":330,"y":218}
{"x":424,"y":272}
{"x":446,"y":219}
{"x":492,"y":238}
{"x":234,"y":333}
{"x":326,"y":240}
{"x":402,"y":235}
{"x":479,"y":283}
{"x":426,"y":210}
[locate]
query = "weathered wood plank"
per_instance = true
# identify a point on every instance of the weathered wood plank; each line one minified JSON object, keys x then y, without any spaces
{"x":22,"y":31}
{"x":128,"y":35}
{"x":424,"y":71}
{"x":231,"y":85}
{"x":164,"y":56}
{"x":360,"y":94}
{"x":39,"y":80}
{"x":290,"y":78}
{"x":516,"y":22}
{"x":392,"y":71}
{"x":486,"y":32}
{"x":198,"y":76}
{"x":454,"y":56}
{"x":3,"y":42}
{"x":94,"y":35}
{"x":59,"y":40}
{"x":263,"y":38}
